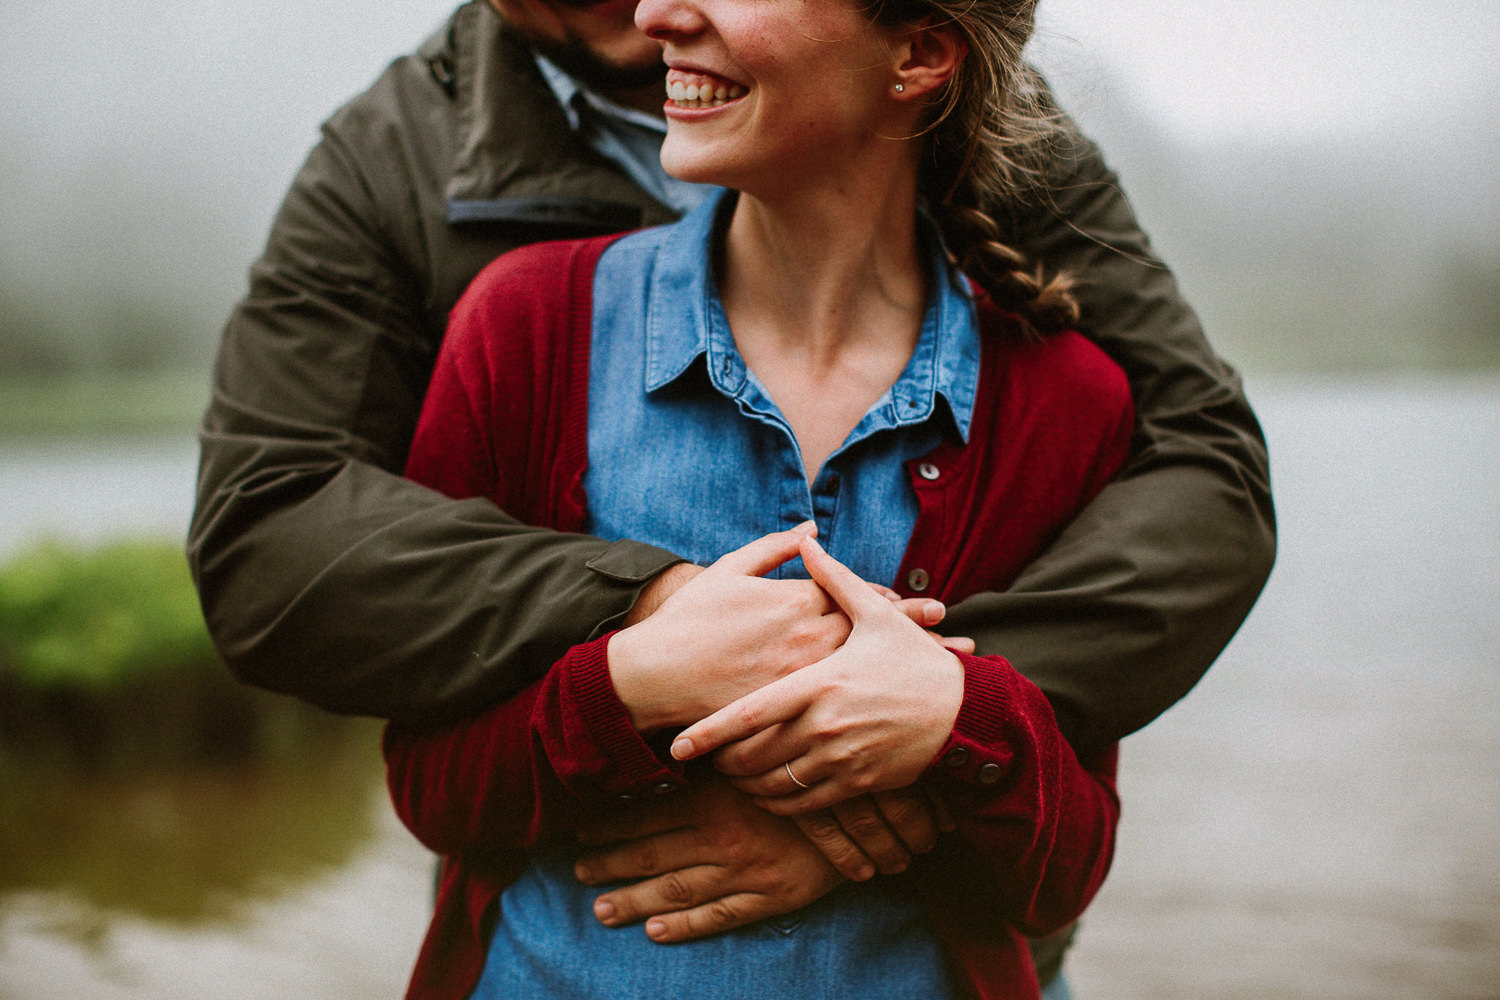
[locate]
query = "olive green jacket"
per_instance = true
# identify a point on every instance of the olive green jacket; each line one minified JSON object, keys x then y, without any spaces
{"x":323,"y":573}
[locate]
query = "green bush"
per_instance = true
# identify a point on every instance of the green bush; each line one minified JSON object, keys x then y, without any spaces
{"x":100,"y":619}
{"x":106,"y":668}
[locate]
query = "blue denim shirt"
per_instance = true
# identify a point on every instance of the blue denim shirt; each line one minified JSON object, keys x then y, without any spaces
{"x":687,"y":451}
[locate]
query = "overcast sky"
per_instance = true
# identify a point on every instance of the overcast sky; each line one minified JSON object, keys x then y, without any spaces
{"x":83,"y":77}
{"x":1235,"y":68}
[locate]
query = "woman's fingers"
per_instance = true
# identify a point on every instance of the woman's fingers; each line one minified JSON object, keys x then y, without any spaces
{"x":777,"y":702}
{"x":841,"y":582}
{"x":759,"y":557}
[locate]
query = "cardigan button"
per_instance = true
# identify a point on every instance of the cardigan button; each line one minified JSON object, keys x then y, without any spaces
{"x":957,"y":758}
{"x":989,"y":773}
{"x":665,"y":788}
{"x":918,"y":580}
{"x":928,"y":471}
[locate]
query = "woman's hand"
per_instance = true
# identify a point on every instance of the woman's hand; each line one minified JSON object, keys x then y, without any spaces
{"x":725,"y":631}
{"x":869,"y":717}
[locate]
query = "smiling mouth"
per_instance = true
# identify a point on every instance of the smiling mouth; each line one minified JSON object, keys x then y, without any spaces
{"x":700,"y":90}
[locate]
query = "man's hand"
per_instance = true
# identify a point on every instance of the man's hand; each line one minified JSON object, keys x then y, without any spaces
{"x":880,"y":832}
{"x":655,"y":593}
{"x":708,"y":860}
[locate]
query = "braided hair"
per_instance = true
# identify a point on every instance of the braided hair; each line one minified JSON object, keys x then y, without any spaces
{"x":990,"y":138}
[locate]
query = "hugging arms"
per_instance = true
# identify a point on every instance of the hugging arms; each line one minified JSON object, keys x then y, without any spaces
{"x":324,"y":574}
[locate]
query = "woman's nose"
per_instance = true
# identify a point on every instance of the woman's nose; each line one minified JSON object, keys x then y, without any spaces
{"x":663,"y":19}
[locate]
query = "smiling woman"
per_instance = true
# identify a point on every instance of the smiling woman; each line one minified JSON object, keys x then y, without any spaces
{"x":810,"y":354}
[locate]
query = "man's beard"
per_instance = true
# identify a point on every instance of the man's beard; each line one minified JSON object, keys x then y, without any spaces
{"x":575,"y":59}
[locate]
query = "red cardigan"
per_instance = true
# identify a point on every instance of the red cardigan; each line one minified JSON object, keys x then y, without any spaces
{"x":506,"y":419}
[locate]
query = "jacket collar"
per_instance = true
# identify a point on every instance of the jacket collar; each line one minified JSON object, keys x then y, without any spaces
{"x":515,"y":156}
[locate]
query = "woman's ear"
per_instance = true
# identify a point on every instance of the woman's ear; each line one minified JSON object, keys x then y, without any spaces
{"x":928,"y":56}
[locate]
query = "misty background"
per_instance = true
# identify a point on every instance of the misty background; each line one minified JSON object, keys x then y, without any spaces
{"x":1320,"y":818}
{"x":1322,"y":176}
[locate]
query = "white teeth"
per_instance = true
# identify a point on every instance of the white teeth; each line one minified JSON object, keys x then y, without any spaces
{"x":703,"y":94}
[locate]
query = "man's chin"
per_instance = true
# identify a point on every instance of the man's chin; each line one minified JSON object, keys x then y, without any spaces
{"x":598,"y":74}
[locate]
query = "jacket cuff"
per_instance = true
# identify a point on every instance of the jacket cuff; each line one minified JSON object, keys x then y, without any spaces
{"x":632,"y":767}
{"x":633,"y":564}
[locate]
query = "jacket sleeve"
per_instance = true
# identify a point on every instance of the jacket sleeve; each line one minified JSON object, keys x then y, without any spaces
{"x":1039,"y":821}
{"x":528,"y":769}
{"x":322,"y":572}
{"x":1126,"y":609}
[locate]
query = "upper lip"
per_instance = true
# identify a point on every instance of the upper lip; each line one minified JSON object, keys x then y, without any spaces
{"x":682,"y":66}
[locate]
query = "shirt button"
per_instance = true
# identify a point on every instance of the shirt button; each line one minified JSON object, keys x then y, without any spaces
{"x":928,"y":471}
{"x":989,"y":773}
{"x":918,"y":580}
{"x":665,"y":788}
{"x":624,"y":797}
{"x":957,"y":757}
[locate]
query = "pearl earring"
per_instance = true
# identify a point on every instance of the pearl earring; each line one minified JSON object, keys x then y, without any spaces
{"x":900,"y":88}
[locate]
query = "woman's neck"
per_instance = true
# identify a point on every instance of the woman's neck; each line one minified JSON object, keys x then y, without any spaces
{"x":823,"y":272}
{"x":825,"y":296}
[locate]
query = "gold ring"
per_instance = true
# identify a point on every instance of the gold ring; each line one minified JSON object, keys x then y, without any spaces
{"x":795,"y":780}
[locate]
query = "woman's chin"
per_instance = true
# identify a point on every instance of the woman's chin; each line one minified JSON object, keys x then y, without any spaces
{"x":697,"y":169}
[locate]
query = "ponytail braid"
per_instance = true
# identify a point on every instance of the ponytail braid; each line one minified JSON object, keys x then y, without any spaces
{"x":990,"y":140}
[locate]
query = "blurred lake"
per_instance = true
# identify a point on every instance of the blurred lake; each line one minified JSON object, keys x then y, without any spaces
{"x":1319,"y":819}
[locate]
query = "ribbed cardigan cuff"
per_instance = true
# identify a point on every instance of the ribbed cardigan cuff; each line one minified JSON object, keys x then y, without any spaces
{"x":632,"y":766}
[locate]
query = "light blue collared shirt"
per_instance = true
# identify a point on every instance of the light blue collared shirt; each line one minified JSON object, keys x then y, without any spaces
{"x":688,"y":452}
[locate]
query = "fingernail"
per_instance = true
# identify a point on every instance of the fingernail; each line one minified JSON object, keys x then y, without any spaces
{"x":581,"y":872}
{"x":864,"y":873}
{"x":604,"y":910}
{"x":656,"y":928}
{"x":934,"y":612}
{"x":808,"y":528}
{"x":682,"y":749}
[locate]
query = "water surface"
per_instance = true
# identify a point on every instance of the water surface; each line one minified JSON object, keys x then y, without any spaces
{"x":1318,"y":819}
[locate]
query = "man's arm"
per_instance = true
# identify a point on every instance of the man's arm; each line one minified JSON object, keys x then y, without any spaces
{"x":324,"y":573}
{"x":1125,"y":611}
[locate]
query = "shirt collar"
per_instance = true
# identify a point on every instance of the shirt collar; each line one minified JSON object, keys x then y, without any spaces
{"x":569,"y":91}
{"x":685,"y":320}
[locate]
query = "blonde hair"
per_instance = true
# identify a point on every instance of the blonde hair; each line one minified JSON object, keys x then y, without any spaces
{"x":990,"y":139}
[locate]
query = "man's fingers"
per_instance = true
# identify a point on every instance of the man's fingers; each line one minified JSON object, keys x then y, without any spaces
{"x":634,"y":859}
{"x":910,"y":814}
{"x":679,"y":889}
{"x":759,"y":557}
{"x":827,"y":835}
{"x":865,"y":823}
{"x":714,"y":917}
{"x":942,"y":815}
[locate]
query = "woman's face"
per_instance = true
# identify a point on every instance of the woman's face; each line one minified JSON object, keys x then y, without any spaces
{"x":767,"y":93}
